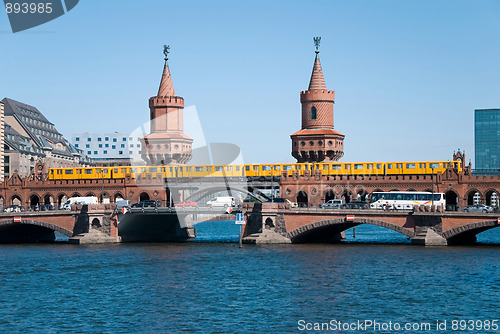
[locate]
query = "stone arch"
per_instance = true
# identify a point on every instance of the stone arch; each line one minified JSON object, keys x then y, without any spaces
{"x":269,"y":223}
{"x":118,"y":196}
{"x":346,"y":195}
{"x":302,"y":199}
{"x":334,"y":226}
{"x":16,"y":200}
{"x":90,"y":194}
{"x":467,"y":233}
{"x":144,"y":196}
{"x":96,"y":223}
{"x":61,"y":198}
{"x":429,"y":190}
{"x":469,"y":196}
{"x":34,"y":200}
{"x":329,"y":194}
{"x":48,"y":199}
{"x":491,"y":198}
{"x":361,"y":194}
{"x":411,"y":189}
{"x":394,"y":189}
{"x":49,"y":226}
{"x":76,"y":194}
{"x":451,"y":200}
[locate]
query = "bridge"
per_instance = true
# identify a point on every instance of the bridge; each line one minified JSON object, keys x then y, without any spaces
{"x":85,"y":224}
{"x":278,"y":223}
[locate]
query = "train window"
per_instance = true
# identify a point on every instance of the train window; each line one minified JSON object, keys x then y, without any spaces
{"x":410,"y":166}
{"x":198,"y":169}
{"x":247,"y":168}
{"x":229,"y":168}
{"x":336,"y":166}
{"x":422,"y":165}
{"x":347,"y":166}
{"x":287,"y":167}
{"x":78,"y":171}
{"x":299,"y":167}
{"x":278,"y":167}
{"x":123,"y":170}
{"x":389,"y":166}
{"x":68,"y":171}
{"x":88,"y":171}
{"x":325,"y":166}
{"x":143,"y":169}
{"x":255,"y":167}
{"x":171,"y":170}
{"x":266,"y":168}
{"x":152,"y":170}
{"x":105,"y":171}
{"x":434,"y":165}
{"x":358,"y":166}
{"x":133,"y":170}
{"x":52,"y":171}
{"x":219,"y":168}
{"x":209,"y":168}
{"x":237,"y":168}
{"x":399,"y":165}
{"x":379,"y":166}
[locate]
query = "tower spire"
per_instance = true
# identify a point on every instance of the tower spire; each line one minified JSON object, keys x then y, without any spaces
{"x":317,"y":78}
{"x":166,"y":85}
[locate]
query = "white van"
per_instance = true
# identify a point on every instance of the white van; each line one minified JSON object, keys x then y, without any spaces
{"x":123,"y":203}
{"x":78,"y":200}
{"x":224,"y":201}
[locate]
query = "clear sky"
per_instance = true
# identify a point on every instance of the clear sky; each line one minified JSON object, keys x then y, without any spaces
{"x":407,"y":74}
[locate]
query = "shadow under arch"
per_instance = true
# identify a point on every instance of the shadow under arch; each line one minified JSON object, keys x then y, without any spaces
{"x":29,"y":230}
{"x":466,"y":234}
{"x":329,"y":230}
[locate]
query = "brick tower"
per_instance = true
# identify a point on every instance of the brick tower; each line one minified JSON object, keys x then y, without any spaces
{"x":317,"y":141}
{"x":166,"y":143}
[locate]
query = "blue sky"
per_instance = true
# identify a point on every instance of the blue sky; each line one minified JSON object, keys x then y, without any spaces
{"x":407,"y":74}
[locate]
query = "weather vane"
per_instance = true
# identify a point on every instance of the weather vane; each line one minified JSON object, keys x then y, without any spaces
{"x":166,"y":49}
{"x":316,"y":43}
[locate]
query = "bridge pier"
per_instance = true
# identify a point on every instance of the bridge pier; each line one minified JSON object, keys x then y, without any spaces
{"x":95,"y":224}
{"x":428,"y":230}
{"x":265,"y":224}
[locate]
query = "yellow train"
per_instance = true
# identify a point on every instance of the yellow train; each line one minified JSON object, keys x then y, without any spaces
{"x":252,"y":171}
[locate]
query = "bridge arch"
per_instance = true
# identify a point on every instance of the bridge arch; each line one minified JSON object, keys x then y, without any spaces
{"x":467,"y":233}
{"x":29,"y":230}
{"x":361,"y":194}
{"x":318,"y":230}
{"x":61,"y":198}
{"x":76,"y":194}
{"x":491,"y":197}
{"x":346,"y":195}
{"x":302,"y":199}
{"x":117,"y":196}
{"x":16,"y":200}
{"x":34,"y":200}
{"x":451,"y":200}
{"x":330,"y":194}
{"x":48,"y":198}
{"x":469,"y":196}
{"x":144,"y":196}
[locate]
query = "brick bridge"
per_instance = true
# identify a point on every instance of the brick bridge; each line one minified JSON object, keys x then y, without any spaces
{"x":86,"y":224}
{"x":277,"y":223}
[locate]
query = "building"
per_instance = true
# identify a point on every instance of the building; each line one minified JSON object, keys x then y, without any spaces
{"x":108,"y":149}
{"x":166,"y":143}
{"x":31,"y":140}
{"x":317,"y":141}
{"x":487,"y":141}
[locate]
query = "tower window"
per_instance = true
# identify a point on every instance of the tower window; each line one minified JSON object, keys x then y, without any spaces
{"x":313,"y":113}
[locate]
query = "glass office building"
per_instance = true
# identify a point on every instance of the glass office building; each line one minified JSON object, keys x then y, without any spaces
{"x":487,"y":141}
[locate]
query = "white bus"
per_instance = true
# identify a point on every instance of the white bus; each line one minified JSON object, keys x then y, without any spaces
{"x":405,"y":200}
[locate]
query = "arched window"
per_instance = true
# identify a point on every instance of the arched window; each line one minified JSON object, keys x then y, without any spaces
{"x":313,"y":113}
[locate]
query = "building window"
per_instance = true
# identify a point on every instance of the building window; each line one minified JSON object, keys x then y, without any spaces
{"x":113,"y":146}
{"x":95,"y":152}
{"x":313,"y":113}
{"x":77,"y":138}
{"x":89,"y":152}
{"x":114,"y":140}
{"x":88,"y":139}
{"x":100,"y":145}
{"x":104,"y":152}
{"x":106,"y":145}
{"x":76,"y":145}
{"x":131,"y":145}
{"x":87,"y":146}
{"x":99,"y":139}
{"x":122,"y":145}
{"x":120,"y":152}
{"x":302,"y":143}
{"x":311,"y":143}
{"x":130,"y":138}
{"x":106,"y":138}
{"x":130,"y":152}
{"x":124,"y":139}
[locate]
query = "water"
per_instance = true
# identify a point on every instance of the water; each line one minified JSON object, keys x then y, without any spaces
{"x":218,"y":287}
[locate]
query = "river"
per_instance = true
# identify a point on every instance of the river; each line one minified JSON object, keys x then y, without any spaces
{"x":212,"y":286}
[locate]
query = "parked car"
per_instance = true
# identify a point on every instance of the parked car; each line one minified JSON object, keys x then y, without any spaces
{"x":222,"y":201}
{"x":46,"y":207}
{"x":355,"y":205}
{"x":333,"y":204}
{"x":14,"y":208}
{"x":186,"y":204}
{"x":478,"y":208}
{"x":146,"y":204}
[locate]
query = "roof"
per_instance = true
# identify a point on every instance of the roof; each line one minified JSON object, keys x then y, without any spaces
{"x":317,"y":78}
{"x":166,"y":85}
{"x":312,"y":132}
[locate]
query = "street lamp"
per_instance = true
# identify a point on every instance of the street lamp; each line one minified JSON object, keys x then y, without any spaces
{"x":432,"y":179}
{"x":102,"y":183}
